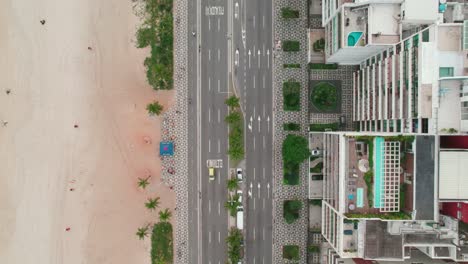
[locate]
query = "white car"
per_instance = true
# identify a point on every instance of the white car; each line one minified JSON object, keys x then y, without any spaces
{"x":316,"y":152}
{"x":241,"y":206}
{"x":239,"y":176}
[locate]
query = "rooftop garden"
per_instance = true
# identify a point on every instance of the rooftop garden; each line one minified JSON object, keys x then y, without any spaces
{"x":324,"y":96}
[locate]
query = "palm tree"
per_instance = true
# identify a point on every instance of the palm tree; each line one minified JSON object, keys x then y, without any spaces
{"x":154,"y":108}
{"x":165,"y":215}
{"x":142,"y":183}
{"x":142,"y":232}
{"x":232,"y":101}
{"x":232,"y":184}
{"x":152,"y":203}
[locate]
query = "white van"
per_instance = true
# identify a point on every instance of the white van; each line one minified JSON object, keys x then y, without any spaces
{"x":240,"y":220}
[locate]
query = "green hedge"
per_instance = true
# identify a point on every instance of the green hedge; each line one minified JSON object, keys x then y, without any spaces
{"x":324,"y":96}
{"x":322,"y":127}
{"x":291,"y":127}
{"x":292,"y":65}
{"x":234,"y":244}
{"x":316,"y":202}
{"x":323,"y":66}
{"x":291,"y":45}
{"x":291,"y":210}
{"x":318,"y":168}
{"x":386,"y":216}
{"x":369,"y":178}
{"x":291,"y":252}
{"x":319,"y":45}
{"x":288,"y":12}
{"x":291,"y":96}
{"x":161,"y":243}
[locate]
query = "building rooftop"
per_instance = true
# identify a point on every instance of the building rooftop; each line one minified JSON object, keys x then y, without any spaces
{"x":453,"y":184}
{"x":380,"y":244}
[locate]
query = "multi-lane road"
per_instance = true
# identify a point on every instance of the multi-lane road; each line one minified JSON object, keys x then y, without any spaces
{"x":217,"y":32}
{"x":253,"y":75}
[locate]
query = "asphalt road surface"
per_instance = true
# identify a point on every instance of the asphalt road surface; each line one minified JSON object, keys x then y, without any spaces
{"x":253,"y":75}
{"x":208,"y":134}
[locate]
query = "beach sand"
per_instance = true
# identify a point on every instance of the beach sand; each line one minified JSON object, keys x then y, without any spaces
{"x":55,"y":83}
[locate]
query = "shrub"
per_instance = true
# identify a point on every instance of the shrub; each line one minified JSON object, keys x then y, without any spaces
{"x":291,"y":45}
{"x":288,"y":12}
{"x":292,"y":65}
{"x":323,"y":127}
{"x":319,"y":45}
{"x":323,"y":66}
{"x":291,"y":96}
{"x":314,"y":249}
{"x":291,"y":252}
{"x":324,"y":96}
{"x":316,"y":202}
{"x":232,"y":101}
{"x":318,"y":168}
{"x":368,"y":178}
{"x":291,"y":127}
{"x":291,"y":210}
{"x":161,"y":243}
{"x":295,"y":149}
{"x":233,"y":117}
{"x":234,"y":244}
{"x":154,"y":108}
{"x":290,"y":173}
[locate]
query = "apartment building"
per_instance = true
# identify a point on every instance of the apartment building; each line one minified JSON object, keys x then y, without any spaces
{"x":380,"y":199}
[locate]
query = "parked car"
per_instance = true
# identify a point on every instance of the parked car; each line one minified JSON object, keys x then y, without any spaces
{"x":316,"y":152}
{"x":241,"y":206}
{"x":240,"y":220}
{"x":239,"y":175}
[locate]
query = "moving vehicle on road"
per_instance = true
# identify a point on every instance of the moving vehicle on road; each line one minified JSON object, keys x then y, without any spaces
{"x":240,"y":220}
{"x":239,"y":176}
{"x":212,"y":165}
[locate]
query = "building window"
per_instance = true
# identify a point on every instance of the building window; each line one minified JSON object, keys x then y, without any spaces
{"x":425,"y":35}
{"x":445,"y":72}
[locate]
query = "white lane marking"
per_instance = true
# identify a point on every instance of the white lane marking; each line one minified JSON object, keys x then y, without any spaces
{"x":254,"y":51}
{"x":254,"y":233}
{"x":264,"y":173}
{"x":219,"y":238}
{"x":268,"y":57}
{"x":254,"y":82}
{"x":254,"y":174}
{"x":263,"y":81}
{"x":209,"y":84}
{"x":263,"y":201}
{"x":209,"y":115}
{"x":219,"y":87}
{"x":263,"y":21}
{"x":263,"y":50}
{"x":209,"y":206}
{"x":254,"y":112}
{"x":263,"y":110}
{"x":219,"y":177}
{"x":218,"y":24}
{"x":258,"y":190}
{"x":254,"y":202}
{"x":219,"y":55}
{"x":264,"y":142}
{"x":209,"y":145}
{"x":258,"y":58}
{"x":209,"y":237}
{"x":263,"y":235}
{"x":253,"y":22}
{"x":219,"y":208}
{"x":209,"y":54}
{"x":209,"y":24}
{"x":254,"y":142}
{"x":219,"y":146}
{"x":236,"y":10}
{"x":219,"y":115}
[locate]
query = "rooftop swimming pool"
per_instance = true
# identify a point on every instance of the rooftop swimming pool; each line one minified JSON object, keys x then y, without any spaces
{"x":353,"y":38}
{"x":378,"y":143}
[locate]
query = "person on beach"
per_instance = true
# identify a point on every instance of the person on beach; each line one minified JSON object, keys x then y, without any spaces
{"x":5,"y":123}
{"x":42,"y":21}
{"x":89,"y":48}
{"x":8,"y":91}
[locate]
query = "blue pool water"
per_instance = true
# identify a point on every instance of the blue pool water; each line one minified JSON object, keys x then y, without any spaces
{"x":377,"y":170}
{"x":360,"y":197}
{"x":353,"y":38}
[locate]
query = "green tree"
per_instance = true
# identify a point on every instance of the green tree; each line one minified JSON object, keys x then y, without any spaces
{"x":295,"y":149}
{"x":233,"y":117}
{"x":234,"y":244}
{"x":145,"y":36}
{"x":232,"y":203}
{"x":152,"y":203}
{"x":142,"y":183}
{"x":232,"y":184}
{"x":291,"y":210}
{"x":142,"y":232}
{"x":165,"y":215}
{"x":232,"y":101}
{"x":154,"y":108}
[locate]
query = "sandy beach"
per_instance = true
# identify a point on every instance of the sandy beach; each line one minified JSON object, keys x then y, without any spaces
{"x":55,"y":83}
